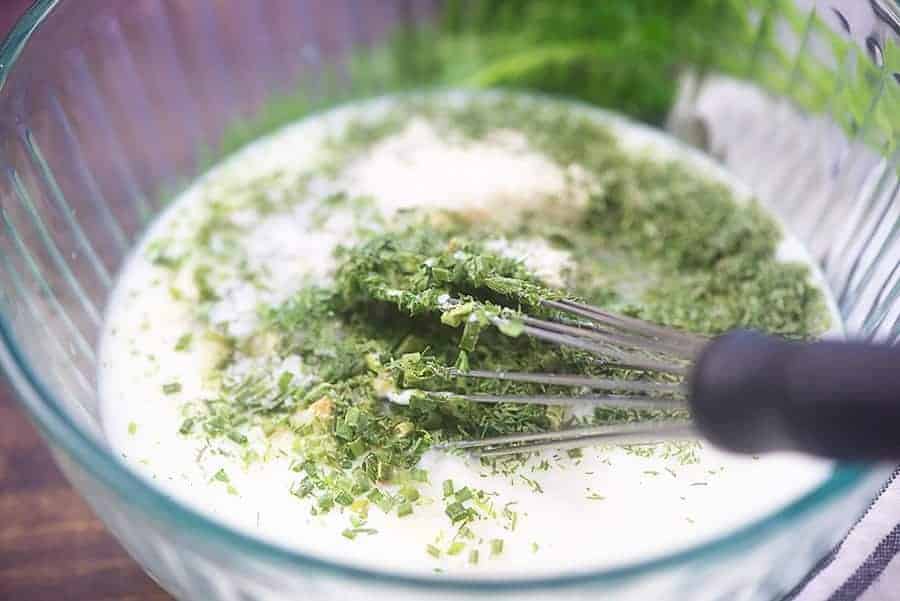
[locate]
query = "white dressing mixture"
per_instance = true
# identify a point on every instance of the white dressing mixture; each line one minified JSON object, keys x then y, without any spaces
{"x":554,"y":513}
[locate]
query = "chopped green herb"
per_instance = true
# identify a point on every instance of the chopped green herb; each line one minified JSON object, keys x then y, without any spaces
{"x":512,"y":517}
{"x":456,"y":548}
{"x":184,"y":342}
{"x":360,"y":506}
{"x":463,"y":494}
{"x":383,"y":500}
{"x":457,"y":512}
{"x":533,"y":484}
{"x":237,"y":437}
{"x":171,"y":388}
{"x":352,"y":533}
{"x":325,"y":502}
{"x":409,"y":493}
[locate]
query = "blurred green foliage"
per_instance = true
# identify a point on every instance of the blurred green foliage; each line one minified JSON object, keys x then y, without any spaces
{"x":625,"y":55}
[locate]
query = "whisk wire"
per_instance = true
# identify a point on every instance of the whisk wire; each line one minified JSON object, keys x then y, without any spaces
{"x":582,"y":340}
{"x":644,"y":433}
{"x":588,"y":382}
{"x":616,"y":340}
{"x":691,"y":343}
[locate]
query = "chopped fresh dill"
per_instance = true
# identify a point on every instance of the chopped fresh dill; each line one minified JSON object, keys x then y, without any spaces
{"x":533,"y":484}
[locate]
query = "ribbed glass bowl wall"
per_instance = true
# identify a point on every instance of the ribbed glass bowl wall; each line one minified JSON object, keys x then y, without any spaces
{"x":107,"y":108}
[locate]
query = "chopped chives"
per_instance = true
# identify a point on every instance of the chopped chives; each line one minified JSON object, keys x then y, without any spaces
{"x":456,"y":548}
{"x":410,"y":493}
{"x":464,"y":494}
{"x":360,"y":506}
{"x":456,"y":512}
{"x":237,"y":437}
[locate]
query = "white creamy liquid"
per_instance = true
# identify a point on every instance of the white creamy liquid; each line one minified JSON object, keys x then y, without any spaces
{"x":609,"y":507}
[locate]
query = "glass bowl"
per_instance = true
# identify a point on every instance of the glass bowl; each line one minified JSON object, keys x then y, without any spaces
{"x":109,"y":108}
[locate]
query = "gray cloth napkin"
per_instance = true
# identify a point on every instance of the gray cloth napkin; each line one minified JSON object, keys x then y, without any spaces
{"x":866,"y":565}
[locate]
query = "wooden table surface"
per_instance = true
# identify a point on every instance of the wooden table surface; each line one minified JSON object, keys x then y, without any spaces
{"x":52,"y":548}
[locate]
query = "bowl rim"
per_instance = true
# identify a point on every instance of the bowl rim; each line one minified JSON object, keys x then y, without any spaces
{"x":61,"y":431}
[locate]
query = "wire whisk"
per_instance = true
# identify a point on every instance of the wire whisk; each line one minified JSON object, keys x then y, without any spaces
{"x":744,"y":391}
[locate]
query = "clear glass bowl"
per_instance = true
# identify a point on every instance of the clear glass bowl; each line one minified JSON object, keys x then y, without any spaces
{"x":107,"y":108}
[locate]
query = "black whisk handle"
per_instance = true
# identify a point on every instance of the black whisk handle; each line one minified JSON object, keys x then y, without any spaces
{"x":753,"y":393}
